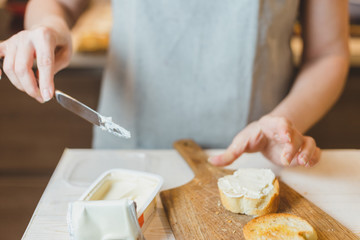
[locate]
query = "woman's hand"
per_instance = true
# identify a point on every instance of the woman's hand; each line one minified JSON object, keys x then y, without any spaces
{"x":52,"y":51}
{"x":277,"y":139}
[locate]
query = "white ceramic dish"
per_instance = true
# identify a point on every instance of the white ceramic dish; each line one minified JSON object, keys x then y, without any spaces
{"x":142,"y":187}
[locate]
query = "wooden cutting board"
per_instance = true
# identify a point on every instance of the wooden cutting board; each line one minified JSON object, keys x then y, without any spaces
{"x":194,"y":210}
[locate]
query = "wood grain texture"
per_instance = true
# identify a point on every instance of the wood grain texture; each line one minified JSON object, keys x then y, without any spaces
{"x":194,"y":210}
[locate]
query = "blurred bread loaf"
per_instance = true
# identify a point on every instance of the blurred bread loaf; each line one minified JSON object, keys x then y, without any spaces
{"x":250,"y":191}
{"x":92,"y":30}
{"x":279,"y":226}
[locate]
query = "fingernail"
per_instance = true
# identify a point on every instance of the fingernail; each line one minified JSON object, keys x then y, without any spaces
{"x":212,"y":159}
{"x":46,"y":95}
{"x":285,"y":159}
{"x":302,"y":160}
{"x":288,"y":137}
{"x":40,"y":100}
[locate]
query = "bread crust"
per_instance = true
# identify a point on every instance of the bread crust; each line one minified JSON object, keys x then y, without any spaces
{"x":253,"y":206}
{"x":277,"y":226}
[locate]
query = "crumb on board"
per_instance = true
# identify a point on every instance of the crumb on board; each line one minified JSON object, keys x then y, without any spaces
{"x":217,"y":213}
{"x":229,"y":221}
{"x":234,"y":231}
{"x":218,"y":203}
{"x":224,"y":230}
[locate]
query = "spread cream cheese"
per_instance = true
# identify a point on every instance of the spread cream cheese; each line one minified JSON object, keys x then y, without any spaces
{"x":249,"y":182}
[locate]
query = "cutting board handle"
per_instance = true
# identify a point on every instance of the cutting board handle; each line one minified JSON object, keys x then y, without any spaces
{"x":194,"y":156}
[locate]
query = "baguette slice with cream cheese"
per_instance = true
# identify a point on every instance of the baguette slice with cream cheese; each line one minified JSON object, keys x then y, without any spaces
{"x":250,"y":191}
{"x":279,"y":226}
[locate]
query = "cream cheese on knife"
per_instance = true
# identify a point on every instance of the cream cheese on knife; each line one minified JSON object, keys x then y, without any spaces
{"x":108,"y":125}
{"x":80,"y":109}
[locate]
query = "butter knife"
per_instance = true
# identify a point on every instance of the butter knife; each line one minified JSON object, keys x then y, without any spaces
{"x":80,"y":109}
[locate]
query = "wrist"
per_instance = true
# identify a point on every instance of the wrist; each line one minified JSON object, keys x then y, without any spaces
{"x":290,"y":114}
{"x":55,"y":23}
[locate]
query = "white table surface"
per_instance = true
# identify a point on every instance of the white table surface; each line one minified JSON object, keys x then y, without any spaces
{"x":333,"y":185}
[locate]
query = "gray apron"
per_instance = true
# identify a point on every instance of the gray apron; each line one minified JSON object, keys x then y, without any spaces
{"x":198,"y":69}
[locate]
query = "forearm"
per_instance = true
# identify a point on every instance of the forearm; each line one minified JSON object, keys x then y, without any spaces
{"x":317,"y":87}
{"x":57,"y":14}
{"x":49,"y":13}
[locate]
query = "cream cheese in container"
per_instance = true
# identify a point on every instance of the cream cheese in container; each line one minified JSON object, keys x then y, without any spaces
{"x":116,"y":184}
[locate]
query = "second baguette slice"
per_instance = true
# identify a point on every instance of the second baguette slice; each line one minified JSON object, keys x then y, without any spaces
{"x":278,"y":226}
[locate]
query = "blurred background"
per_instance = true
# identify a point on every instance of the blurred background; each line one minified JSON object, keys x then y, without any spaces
{"x":33,"y":136}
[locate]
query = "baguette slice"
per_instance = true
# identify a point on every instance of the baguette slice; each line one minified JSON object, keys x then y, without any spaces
{"x":249,"y":203}
{"x":279,"y":226}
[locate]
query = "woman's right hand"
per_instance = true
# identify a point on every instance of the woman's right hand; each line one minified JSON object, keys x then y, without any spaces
{"x":52,"y":50}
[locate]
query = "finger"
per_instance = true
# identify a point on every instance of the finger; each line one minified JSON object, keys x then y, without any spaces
{"x":251,"y":139}
{"x":45,"y":53}
{"x":231,"y":153}
{"x":2,"y":54}
{"x":292,"y":148}
{"x":277,"y":128}
{"x":315,"y":158}
{"x":307,"y":151}
{"x":62,"y":58}
{"x":23,"y":70}
{"x":9,"y":63}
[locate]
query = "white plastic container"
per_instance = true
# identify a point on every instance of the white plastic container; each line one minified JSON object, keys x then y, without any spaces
{"x":118,"y":184}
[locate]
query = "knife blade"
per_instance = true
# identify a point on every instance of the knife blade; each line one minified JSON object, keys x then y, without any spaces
{"x":80,"y":109}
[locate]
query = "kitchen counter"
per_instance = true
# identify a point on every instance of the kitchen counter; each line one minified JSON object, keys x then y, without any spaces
{"x":333,"y":185}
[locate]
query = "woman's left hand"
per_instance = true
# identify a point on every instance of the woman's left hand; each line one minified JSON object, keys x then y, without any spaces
{"x":277,"y":139}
